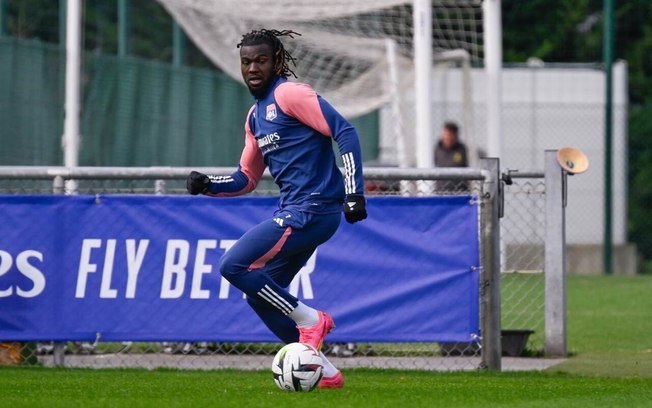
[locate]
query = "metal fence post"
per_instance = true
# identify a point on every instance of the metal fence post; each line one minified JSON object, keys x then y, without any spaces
{"x":59,"y":348}
{"x":58,"y":353}
{"x":555,"y":257}
{"x":490,"y":279}
{"x":58,"y":185}
{"x":159,"y":187}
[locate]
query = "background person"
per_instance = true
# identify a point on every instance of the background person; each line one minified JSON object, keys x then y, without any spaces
{"x":450,"y":152}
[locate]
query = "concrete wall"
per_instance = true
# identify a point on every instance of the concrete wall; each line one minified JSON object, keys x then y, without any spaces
{"x":588,"y":259}
{"x":580,"y":259}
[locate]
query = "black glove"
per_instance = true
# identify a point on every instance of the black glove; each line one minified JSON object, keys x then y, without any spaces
{"x":197,"y":183}
{"x":354,"y":208}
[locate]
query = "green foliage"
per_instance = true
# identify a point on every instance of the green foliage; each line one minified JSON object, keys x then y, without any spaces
{"x":639,"y":59}
{"x":634,"y":44}
{"x":32,"y":19}
{"x":552,"y":30}
{"x":640,"y":178}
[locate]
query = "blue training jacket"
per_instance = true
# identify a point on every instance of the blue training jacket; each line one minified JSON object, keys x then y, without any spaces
{"x":290,"y":131}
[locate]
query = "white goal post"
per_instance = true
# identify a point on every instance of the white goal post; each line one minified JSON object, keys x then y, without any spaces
{"x":360,"y":55}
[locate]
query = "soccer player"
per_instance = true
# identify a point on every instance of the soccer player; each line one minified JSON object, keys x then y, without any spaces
{"x":289,"y":129}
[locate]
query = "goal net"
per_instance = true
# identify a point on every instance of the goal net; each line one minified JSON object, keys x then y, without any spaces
{"x":357,"y":54}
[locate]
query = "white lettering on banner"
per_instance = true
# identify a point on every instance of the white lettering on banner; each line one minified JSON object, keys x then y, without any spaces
{"x":135,"y":256}
{"x":177,"y":249}
{"x":26,"y":269}
{"x":5,"y":264}
{"x":176,"y":269}
{"x":106,"y":292}
{"x":196,"y":292}
{"x":85,"y":265}
{"x":30,"y":272}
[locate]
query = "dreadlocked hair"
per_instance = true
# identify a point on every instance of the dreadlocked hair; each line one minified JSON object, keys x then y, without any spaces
{"x":281,"y":55}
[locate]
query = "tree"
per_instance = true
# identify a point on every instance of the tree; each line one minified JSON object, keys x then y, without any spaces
{"x":552,"y":30}
{"x":640,"y":178}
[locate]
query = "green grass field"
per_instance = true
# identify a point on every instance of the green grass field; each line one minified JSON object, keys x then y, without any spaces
{"x":609,"y":336}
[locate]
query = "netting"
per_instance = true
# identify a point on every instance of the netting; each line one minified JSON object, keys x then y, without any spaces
{"x":358,"y":55}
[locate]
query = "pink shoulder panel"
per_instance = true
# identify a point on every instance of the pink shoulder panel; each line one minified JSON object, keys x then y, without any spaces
{"x":300,"y":101}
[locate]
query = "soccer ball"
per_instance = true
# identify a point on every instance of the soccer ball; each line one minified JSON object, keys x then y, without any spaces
{"x":297,"y":367}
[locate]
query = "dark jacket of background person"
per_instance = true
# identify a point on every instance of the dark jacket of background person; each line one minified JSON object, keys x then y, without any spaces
{"x":453,"y":157}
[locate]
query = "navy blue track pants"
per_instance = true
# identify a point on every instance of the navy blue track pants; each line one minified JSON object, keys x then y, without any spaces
{"x":263,"y":262}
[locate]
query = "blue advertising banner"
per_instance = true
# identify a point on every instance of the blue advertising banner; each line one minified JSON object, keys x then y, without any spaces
{"x":144,"y":268}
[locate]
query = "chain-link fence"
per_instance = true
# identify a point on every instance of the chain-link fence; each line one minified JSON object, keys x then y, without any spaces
{"x":522,"y":260}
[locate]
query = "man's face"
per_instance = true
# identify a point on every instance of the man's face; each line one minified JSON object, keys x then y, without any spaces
{"x":448,"y":138}
{"x":257,"y":66}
